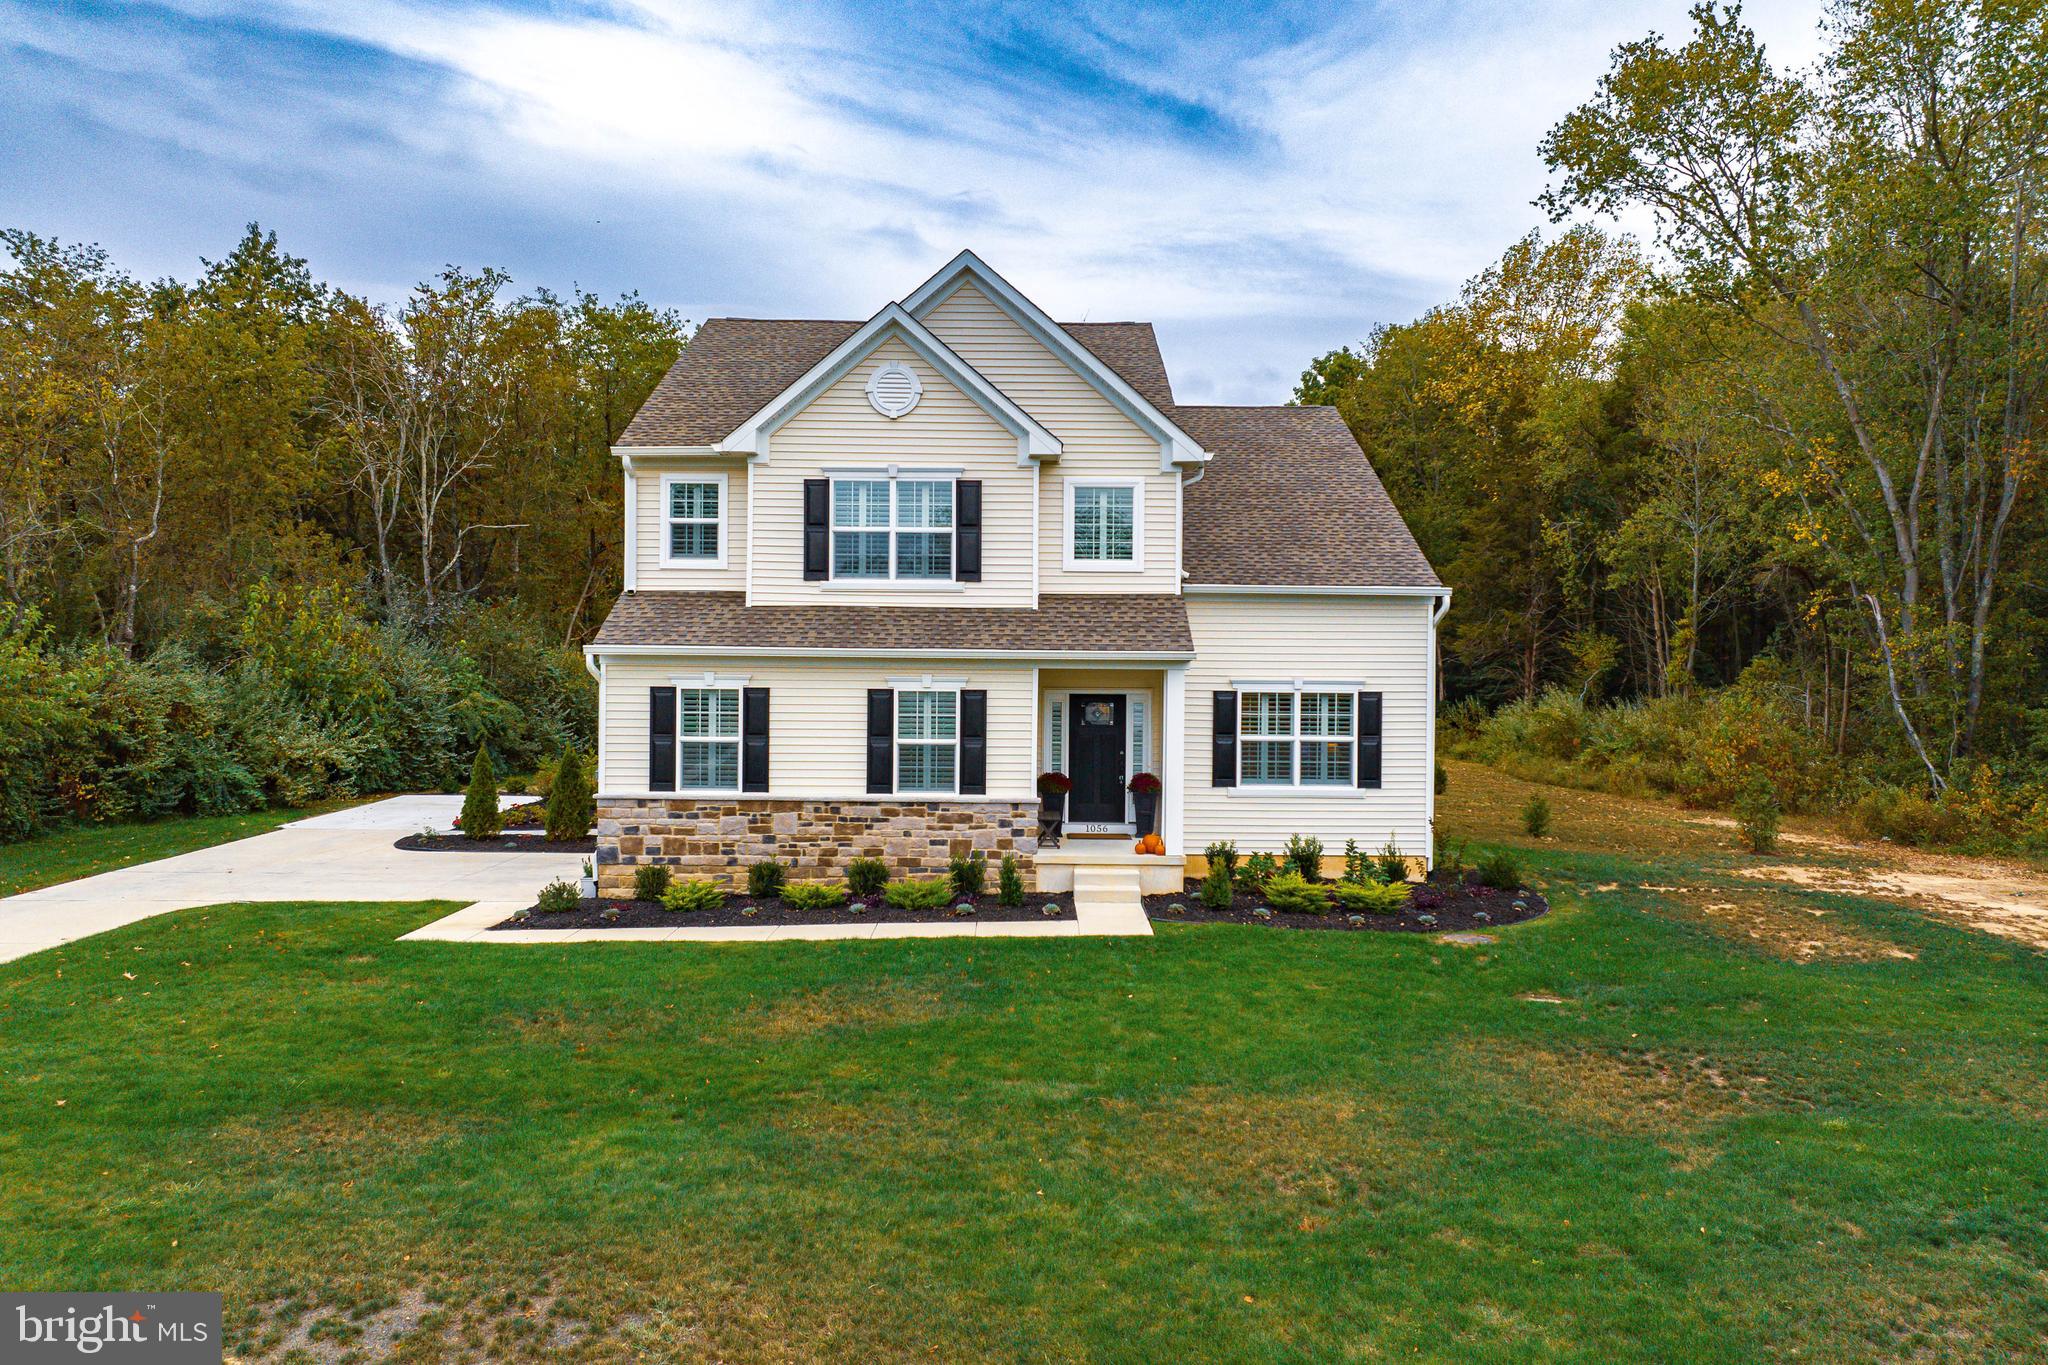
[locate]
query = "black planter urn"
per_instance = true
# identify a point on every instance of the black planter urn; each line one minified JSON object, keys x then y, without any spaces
{"x":1146,"y":806}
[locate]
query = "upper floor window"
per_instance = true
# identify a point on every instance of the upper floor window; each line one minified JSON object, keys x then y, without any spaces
{"x":1105,"y":525}
{"x":1300,"y":738}
{"x":884,"y":527}
{"x":694,"y":520}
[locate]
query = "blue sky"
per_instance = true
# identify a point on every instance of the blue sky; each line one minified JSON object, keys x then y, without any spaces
{"x":1262,"y":181}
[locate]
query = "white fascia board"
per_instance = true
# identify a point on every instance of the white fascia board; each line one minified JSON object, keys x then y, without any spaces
{"x":1054,"y":658}
{"x":651,"y":452}
{"x":1176,"y":447}
{"x":1310,"y":590}
{"x":1034,"y":441}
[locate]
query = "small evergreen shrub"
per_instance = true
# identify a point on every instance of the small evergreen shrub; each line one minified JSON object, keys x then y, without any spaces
{"x":1305,"y":856}
{"x":814,"y":895}
{"x":1297,"y":895}
{"x":1373,"y":897}
{"x":1254,"y":872}
{"x":694,"y":897}
{"x":1216,"y":888}
{"x":866,"y":876}
{"x":480,"y":815}
{"x":650,"y":883}
{"x":969,"y":875}
{"x":558,"y":897}
{"x":765,"y":878}
{"x":570,"y":807}
{"x":1536,"y":817}
{"x":1359,"y":868}
{"x":1391,"y":864}
{"x":1225,"y":852}
{"x":1450,"y":857}
{"x":1010,"y":882}
{"x":1756,"y":813}
{"x":1443,"y":779}
{"x":1500,"y":870}
{"x":913,"y":893}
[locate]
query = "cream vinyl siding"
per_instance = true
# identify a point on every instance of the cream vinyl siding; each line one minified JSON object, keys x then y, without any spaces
{"x":947,"y":430}
{"x":1098,"y":439}
{"x":818,"y":720}
{"x":652,"y":525}
{"x":1371,"y":644}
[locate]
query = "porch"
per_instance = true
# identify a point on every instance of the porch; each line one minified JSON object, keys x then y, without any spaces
{"x":1100,"y":727}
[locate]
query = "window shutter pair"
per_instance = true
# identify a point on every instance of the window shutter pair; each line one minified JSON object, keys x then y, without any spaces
{"x":661,"y":739}
{"x":882,"y":741}
{"x":1223,"y":742}
{"x":818,"y":530}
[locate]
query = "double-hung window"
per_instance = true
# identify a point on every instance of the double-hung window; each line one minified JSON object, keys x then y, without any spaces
{"x":708,"y":738}
{"x":1105,"y":524}
{"x":1298,"y":737}
{"x":888,"y":527}
{"x":927,"y":741}
{"x":693,"y":510}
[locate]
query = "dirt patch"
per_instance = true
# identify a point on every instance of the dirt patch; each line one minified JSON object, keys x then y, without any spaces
{"x":345,"y":1136}
{"x":879,"y":1006}
{"x":1320,"y":1147}
{"x":414,"y":1324}
{"x":1628,"y":1091}
{"x":1992,"y":897}
{"x":1784,"y":926}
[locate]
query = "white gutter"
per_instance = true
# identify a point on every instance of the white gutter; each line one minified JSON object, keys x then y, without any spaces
{"x":1056,"y":657}
{"x":1311,"y":590}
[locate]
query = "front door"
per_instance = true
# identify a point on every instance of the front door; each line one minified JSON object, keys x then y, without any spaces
{"x":1096,"y":748}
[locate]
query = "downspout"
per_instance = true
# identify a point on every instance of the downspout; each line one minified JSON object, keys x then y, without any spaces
{"x":1436,"y":614}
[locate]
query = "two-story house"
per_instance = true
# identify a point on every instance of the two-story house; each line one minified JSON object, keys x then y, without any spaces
{"x":880,"y":575}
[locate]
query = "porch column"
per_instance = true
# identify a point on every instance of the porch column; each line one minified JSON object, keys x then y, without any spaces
{"x":1173,"y":758}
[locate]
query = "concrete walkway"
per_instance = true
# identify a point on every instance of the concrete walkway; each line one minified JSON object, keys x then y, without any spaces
{"x":342,"y":856}
{"x":472,"y":924}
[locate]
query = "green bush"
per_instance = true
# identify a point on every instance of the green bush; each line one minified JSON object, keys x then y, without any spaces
{"x":1450,"y":856}
{"x":969,"y":874}
{"x":694,"y":897}
{"x":570,"y":808}
{"x":1372,"y":898}
{"x":911,"y":893}
{"x":1216,"y":885}
{"x":481,"y":818}
{"x":1222,"y":851}
{"x":1391,"y":863}
{"x":1297,"y":895}
{"x":1501,"y":870}
{"x":866,"y":876}
{"x":814,"y":895}
{"x":1010,"y":882}
{"x":765,"y":878}
{"x":1443,"y":779}
{"x":1305,"y":856}
{"x":1536,"y":817}
{"x":1756,"y":814}
{"x":1358,"y":865}
{"x":650,"y":883}
{"x":1254,"y":872}
{"x":558,"y":897}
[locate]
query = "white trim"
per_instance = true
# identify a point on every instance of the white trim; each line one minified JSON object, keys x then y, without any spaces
{"x":668,"y":522}
{"x":648,"y":452}
{"x":708,"y":679}
{"x":1034,"y":442}
{"x":750,"y":533}
{"x":1105,"y":659}
{"x":822,"y":794}
{"x":1136,"y":563}
{"x":1290,"y":590}
{"x":1173,"y":744}
{"x":596,"y":667}
{"x":925,"y":682}
{"x":1301,"y":685}
{"x":1429,"y":743}
{"x":1175,"y":445}
{"x":631,"y":566}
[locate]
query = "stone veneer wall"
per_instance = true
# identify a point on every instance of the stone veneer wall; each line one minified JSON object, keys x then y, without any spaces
{"x":720,"y":838}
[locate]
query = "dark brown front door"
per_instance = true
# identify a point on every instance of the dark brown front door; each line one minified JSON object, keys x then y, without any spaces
{"x":1096,"y":734}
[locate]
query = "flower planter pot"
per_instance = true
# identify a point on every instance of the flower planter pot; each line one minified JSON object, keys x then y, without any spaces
{"x":1146,"y":806}
{"x":587,"y":888}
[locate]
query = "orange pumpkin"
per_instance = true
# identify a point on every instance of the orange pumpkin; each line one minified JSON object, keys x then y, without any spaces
{"x":1140,"y":846}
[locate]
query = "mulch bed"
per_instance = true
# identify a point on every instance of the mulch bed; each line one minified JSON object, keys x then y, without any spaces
{"x":1435,"y":907}
{"x":502,"y":843}
{"x":590,"y":914}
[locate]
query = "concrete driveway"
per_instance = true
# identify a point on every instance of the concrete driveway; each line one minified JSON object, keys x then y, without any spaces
{"x":343,"y":856}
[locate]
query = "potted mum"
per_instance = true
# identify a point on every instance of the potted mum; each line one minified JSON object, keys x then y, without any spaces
{"x":1052,"y":793}
{"x":1145,"y":801}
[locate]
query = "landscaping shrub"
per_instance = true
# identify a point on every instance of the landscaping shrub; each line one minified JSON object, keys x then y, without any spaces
{"x":1500,"y":869}
{"x":1305,"y":856}
{"x":558,"y":897}
{"x":1756,"y":814}
{"x":698,"y":896}
{"x":1443,"y":779}
{"x":866,"y":876}
{"x":481,"y":818}
{"x":1216,"y":885}
{"x":765,"y":878}
{"x":912,"y":893}
{"x":1010,"y":882}
{"x":1359,"y":867}
{"x":1391,"y":863}
{"x":650,"y":883}
{"x":1536,"y":817}
{"x":1297,"y":895}
{"x":1222,"y":851}
{"x":1372,"y":898}
{"x":969,"y":875}
{"x":813,"y":895}
{"x":570,"y":808}
{"x":1450,"y":857}
{"x":1254,"y":872}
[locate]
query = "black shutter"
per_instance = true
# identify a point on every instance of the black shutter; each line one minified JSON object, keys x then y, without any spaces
{"x":1223,"y":747}
{"x":967,"y":530}
{"x":754,"y":739}
{"x":1368,"y":739}
{"x":661,"y":739}
{"x":881,"y":740}
{"x":817,"y":528}
{"x":973,"y":743}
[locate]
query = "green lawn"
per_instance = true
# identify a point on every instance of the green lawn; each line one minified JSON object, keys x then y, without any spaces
{"x":1216,"y":1144}
{"x":84,"y":850}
